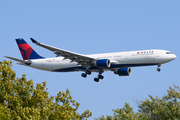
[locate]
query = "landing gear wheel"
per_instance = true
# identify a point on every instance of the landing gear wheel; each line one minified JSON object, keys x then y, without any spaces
{"x":88,"y":72}
{"x":84,"y":75}
{"x":96,"y":79}
{"x":101,"y":77}
{"x":158,"y":69}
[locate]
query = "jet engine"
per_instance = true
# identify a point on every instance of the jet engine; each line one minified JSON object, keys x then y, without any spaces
{"x":104,"y":63}
{"x":123,"y":71}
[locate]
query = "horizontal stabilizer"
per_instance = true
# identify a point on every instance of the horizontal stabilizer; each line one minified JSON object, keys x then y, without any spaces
{"x":18,"y":60}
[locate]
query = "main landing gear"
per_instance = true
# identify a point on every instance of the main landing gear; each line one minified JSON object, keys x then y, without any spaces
{"x":158,"y":69}
{"x":86,"y":73}
{"x":100,"y":76}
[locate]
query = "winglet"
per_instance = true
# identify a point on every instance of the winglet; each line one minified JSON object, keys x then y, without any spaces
{"x":34,"y":41}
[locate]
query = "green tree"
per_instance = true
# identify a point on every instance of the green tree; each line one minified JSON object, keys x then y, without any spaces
{"x":20,"y":100}
{"x":125,"y":113}
{"x":3,"y":112}
{"x":167,"y":107}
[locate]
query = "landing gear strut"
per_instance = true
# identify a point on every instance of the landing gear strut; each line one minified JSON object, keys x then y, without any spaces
{"x":158,"y":69}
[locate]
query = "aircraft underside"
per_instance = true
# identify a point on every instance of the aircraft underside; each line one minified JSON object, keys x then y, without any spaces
{"x":125,"y":70}
{"x":95,"y":69}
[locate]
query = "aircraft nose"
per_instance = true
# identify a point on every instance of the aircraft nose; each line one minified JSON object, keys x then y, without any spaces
{"x":170,"y":57}
{"x":174,"y":56}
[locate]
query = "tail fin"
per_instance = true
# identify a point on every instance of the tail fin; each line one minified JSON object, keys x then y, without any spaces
{"x":26,"y":51}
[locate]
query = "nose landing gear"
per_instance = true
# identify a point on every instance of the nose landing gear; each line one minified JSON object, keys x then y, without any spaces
{"x":158,"y":69}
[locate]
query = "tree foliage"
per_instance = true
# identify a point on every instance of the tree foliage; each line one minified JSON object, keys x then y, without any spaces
{"x":19,"y":99}
{"x":165,"y":108}
{"x":3,"y":112}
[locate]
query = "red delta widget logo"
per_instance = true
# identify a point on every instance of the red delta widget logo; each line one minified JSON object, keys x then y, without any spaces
{"x":145,"y":52}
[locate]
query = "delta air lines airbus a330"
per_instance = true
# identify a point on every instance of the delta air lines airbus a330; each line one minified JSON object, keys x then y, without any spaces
{"x":118,"y":62}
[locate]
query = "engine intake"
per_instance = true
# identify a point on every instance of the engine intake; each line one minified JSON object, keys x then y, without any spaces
{"x":123,"y":71}
{"x":104,"y":63}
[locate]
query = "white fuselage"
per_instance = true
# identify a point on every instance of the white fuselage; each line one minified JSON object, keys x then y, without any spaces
{"x":118,"y":60}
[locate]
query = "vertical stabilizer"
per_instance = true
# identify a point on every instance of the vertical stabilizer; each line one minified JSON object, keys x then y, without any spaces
{"x":26,"y":51}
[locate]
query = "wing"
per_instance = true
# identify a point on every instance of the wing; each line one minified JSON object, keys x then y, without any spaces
{"x":21,"y":61}
{"x":74,"y":57}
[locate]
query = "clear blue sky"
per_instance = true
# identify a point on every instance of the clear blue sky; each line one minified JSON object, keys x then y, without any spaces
{"x":89,"y":27}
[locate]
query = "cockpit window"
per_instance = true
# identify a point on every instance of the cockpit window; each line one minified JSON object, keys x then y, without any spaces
{"x":168,"y":52}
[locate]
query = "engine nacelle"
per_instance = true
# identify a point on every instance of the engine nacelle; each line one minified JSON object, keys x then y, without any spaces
{"x":123,"y":71}
{"x":104,"y":63}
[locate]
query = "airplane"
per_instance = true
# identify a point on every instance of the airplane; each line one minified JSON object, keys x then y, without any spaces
{"x":118,"y":62}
